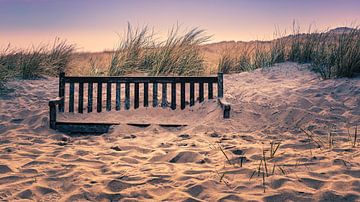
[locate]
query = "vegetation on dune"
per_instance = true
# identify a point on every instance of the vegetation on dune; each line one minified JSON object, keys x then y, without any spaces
{"x":179,"y":54}
{"x":331,"y":54}
{"x":35,"y":62}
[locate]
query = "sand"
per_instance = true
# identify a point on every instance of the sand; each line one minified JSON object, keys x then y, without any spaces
{"x":199,"y":162}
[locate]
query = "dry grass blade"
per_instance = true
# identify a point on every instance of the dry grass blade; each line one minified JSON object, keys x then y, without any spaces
{"x":355,"y":137}
{"x":273,"y":149}
{"x":282,"y":170}
{"x":265,"y":165}
{"x":312,"y":138}
{"x":227,"y":158}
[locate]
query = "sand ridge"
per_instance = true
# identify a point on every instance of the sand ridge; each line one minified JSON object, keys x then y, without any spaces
{"x":188,"y":164}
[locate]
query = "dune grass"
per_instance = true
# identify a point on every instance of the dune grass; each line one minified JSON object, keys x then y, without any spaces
{"x":332,"y":55}
{"x":35,"y":62}
{"x":178,"y":54}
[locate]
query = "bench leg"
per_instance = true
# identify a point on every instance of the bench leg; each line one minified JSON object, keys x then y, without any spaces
{"x":52,"y":116}
{"x":226,"y":111}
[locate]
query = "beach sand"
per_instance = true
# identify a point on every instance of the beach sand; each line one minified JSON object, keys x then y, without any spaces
{"x":199,"y":162}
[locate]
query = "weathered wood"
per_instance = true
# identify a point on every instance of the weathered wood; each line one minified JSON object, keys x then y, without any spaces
{"x":142,"y":125}
{"x":108,"y":97}
{"x":160,"y":79}
{"x":226,"y":107}
{"x":192,"y":93}
{"x":71,"y":97}
{"x":62,"y":90}
{"x":210,"y":91}
{"x":52,"y":113}
{"x":118,"y":94}
{"x":146,"y":94}
{"x":164,"y":95}
{"x":52,"y":116}
{"x":99,"y":97}
{"x":84,"y":128}
{"x":220,"y":81}
{"x":201,"y":92}
{"x":155,"y":94}
{"x":90,"y":97}
{"x":127,"y":95}
{"x":182,"y":95}
{"x":173,"y":95}
{"x":136,"y":96}
{"x":81,"y":98}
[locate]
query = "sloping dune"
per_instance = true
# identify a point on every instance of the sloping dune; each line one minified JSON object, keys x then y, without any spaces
{"x":211,"y":159}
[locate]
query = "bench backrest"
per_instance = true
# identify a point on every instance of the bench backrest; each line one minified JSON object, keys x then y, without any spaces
{"x":115,"y":83}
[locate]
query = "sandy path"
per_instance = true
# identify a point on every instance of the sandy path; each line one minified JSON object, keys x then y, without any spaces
{"x":187,"y":164}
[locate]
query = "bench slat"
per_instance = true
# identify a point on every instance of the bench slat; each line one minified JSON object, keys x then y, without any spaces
{"x":220,"y":85}
{"x":81,"y":98}
{"x":90,"y":97}
{"x":182,"y":95}
{"x":173,"y":95}
{"x":117,"y":98}
{"x":99,"y":97}
{"x":136,"y":96}
{"x":164,"y":95}
{"x":108,"y":97}
{"x":146,"y":94}
{"x":127,"y":96}
{"x":155,"y":94}
{"x":192,"y":93}
{"x":201,"y":91}
{"x":210,"y":91}
{"x":71,"y":97}
{"x":61,"y":90}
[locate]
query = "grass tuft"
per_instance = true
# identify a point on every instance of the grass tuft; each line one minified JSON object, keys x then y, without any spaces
{"x":179,"y":54}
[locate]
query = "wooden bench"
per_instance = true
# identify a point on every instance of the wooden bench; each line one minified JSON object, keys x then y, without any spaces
{"x":58,"y":104}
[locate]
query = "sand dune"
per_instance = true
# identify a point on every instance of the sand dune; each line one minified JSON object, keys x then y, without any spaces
{"x":187,"y":164}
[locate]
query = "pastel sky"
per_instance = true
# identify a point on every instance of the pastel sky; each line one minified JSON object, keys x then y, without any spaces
{"x":93,"y":24}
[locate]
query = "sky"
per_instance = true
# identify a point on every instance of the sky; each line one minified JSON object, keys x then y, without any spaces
{"x":95,"y":25}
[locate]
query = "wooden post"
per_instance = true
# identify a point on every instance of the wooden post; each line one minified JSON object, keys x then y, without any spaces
{"x":118,"y":90}
{"x":136,"y":96}
{"x":81,"y":97}
{"x":192,"y":93}
{"x":173,"y":95}
{"x":155,"y":95}
{"x":164,"y":95}
{"x":71,"y":97}
{"x":210,"y":90}
{"x":182,"y":95}
{"x":127,"y":95}
{"x":220,"y":85}
{"x":108,"y":96}
{"x":62,"y":90}
{"x":90,"y":97}
{"x":146,"y":94}
{"x":52,"y":116}
{"x":99,"y":97}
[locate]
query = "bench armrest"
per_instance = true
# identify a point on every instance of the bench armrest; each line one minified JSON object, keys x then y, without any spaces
{"x":226,"y":107}
{"x":56,"y":101}
{"x":52,"y":115}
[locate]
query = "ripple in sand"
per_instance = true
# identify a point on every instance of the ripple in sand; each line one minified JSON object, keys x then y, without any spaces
{"x":5,"y":169}
{"x":186,"y":157}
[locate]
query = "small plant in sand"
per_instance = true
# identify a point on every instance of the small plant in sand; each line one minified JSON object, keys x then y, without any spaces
{"x":312,"y":137}
{"x":353,"y":138}
{"x":262,"y":170}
